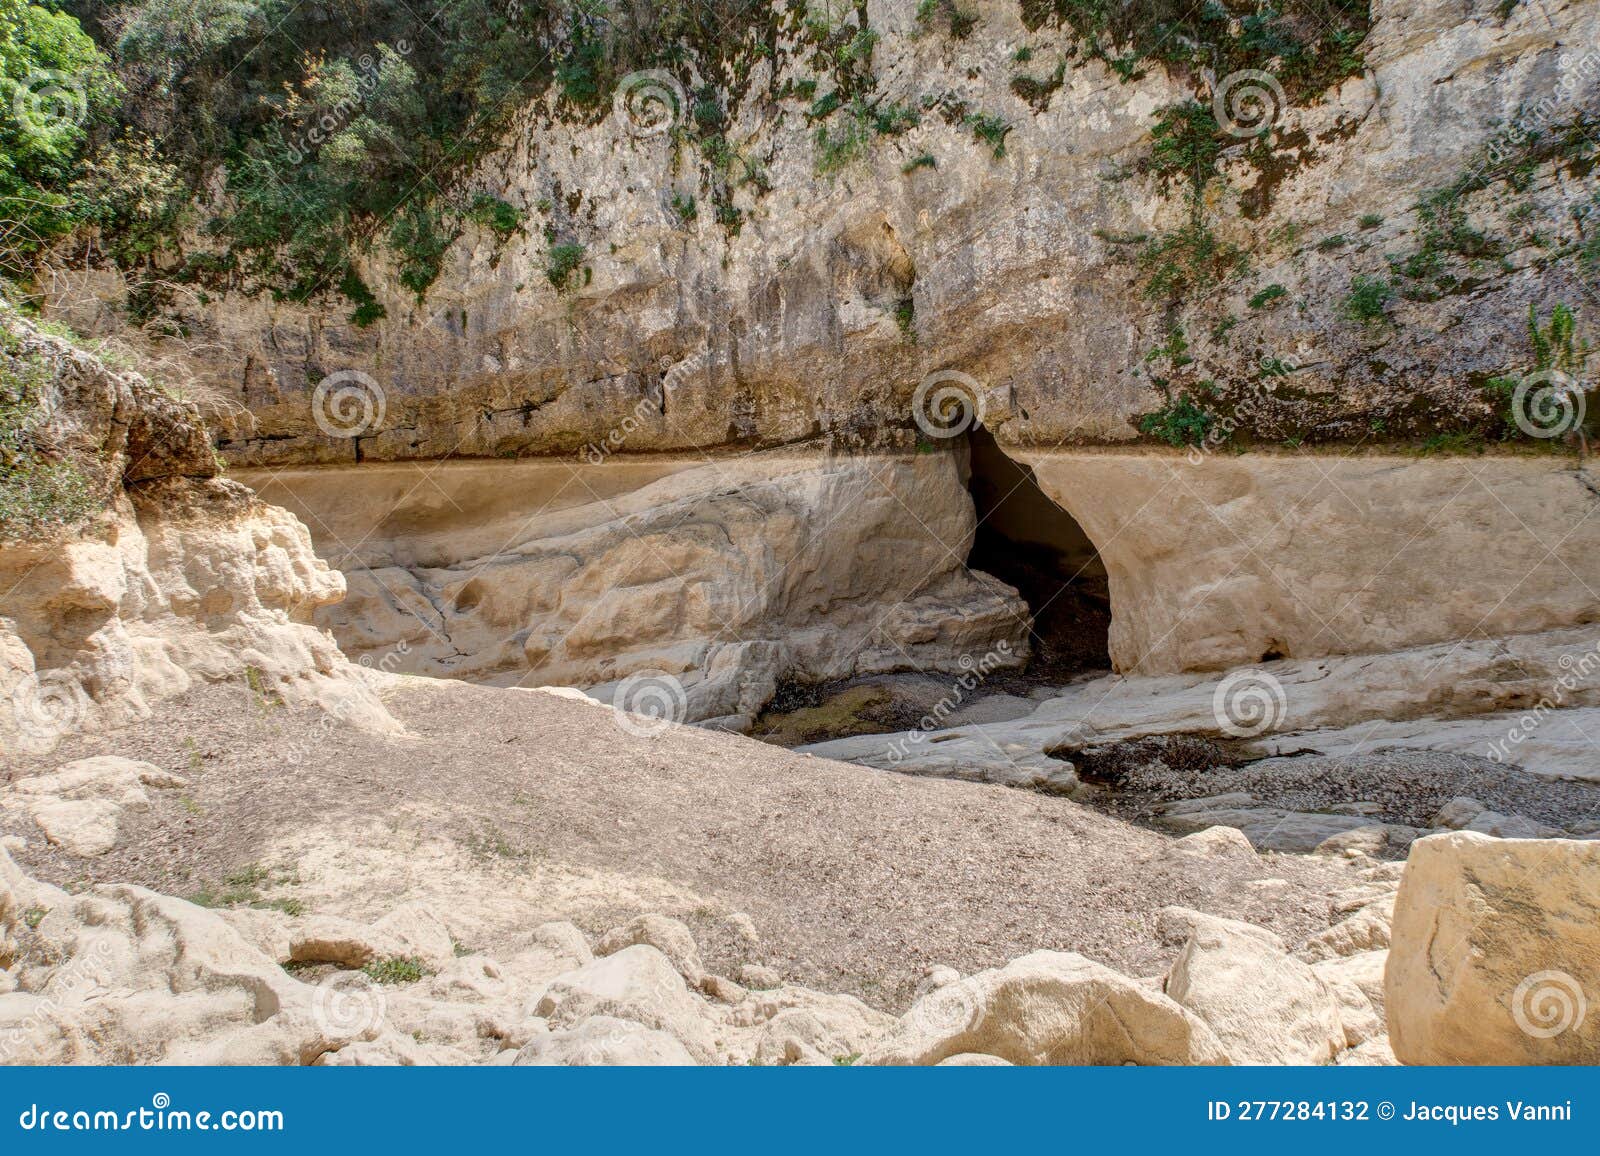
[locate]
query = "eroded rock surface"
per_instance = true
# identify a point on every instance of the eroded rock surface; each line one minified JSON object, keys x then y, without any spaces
{"x":1495,"y":957}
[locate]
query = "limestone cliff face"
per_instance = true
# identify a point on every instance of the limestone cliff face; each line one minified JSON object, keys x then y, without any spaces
{"x":841,"y":292}
{"x":728,"y":575}
{"x":181,"y":575}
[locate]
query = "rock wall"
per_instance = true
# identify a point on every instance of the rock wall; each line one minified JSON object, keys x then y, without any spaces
{"x":841,"y":291}
{"x":1231,"y":560}
{"x":727,"y":573}
{"x":182,"y":574}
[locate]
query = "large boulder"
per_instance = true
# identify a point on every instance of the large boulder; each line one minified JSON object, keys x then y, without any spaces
{"x":1265,"y":1006}
{"x":638,"y":983}
{"x":668,"y":936}
{"x":604,"y":1041}
{"x":1495,"y":952}
{"x":1054,"y":1008}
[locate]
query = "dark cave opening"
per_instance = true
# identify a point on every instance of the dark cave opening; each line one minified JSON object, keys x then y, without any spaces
{"x":1028,"y":541}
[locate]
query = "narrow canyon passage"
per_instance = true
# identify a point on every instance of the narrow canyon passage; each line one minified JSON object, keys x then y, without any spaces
{"x":1028,"y":541}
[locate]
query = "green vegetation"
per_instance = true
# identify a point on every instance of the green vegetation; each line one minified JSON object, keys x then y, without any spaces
{"x":1181,"y":422}
{"x":905,"y":316}
{"x":1185,"y":259}
{"x":1368,"y":299}
{"x":1306,"y":44}
{"x":991,"y":130}
{"x":1038,"y":92}
{"x":1369,"y":220}
{"x":1267,"y":296}
{"x":496,"y":215}
{"x":564,"y":260}
{"x":397,"y":969}
{"x":34,"y":916}
{"x":43,"y":488}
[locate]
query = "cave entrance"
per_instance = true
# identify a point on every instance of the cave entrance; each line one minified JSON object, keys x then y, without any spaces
{"x":1028,"y":541}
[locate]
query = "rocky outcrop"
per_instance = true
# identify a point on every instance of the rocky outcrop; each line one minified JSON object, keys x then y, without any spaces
{"x":714,"y":579}
{"x":1265,"y":1006}
{"x":180,"y":575}
{"x":1224,"y":562}
{"x":79,"y":807}
{"x":839,"y":291}
{"x":1051,"y":1008}
{"x":121,"y":974}
{"x":1495,"y":956}
{"x":1335,"y":706}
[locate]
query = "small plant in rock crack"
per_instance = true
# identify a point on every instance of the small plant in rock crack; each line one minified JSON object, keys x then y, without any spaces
{"x":1267,"y":296}
{"x":396,"y":969}
{"x":1368,"y":299}
{"x":565,"y":260}
{"x":1181,"y":422}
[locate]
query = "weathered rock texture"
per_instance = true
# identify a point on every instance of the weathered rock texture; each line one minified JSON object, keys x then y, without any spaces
{"x":125,"y":975}
{"x":1232,"y":560}
{"x":183,"y":574}
{"x":1495,"y":955}
{"x":726,"y":573}
{"x":1011,"y":264}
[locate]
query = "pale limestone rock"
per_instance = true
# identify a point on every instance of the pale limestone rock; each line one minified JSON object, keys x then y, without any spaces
{"x":1512,"y":826}
{"x":1366,"y":930}
{"x":1050,"y":1008}
{"x":1264,"y":1006}
{"x":604,"y":1041}
{"x":1338,"y":706}
{"x":796,"y":1025}
{"x":637,"y":983}
{"x":722,"y":989}
{"x":417,"y":933}
{"x":631,"y":572}
{"x":1226,"y":843}
{"x":1458,"y":812}
{"x":1357,"y":983}
{"x":758,"y":977}
{"x":1444,"y":578}
{"x":1495,"y":952}
{"x":934,"y":978}
{"x":79,"y":805}
{"x":668,"y":936}
{"x":973,"y":1060}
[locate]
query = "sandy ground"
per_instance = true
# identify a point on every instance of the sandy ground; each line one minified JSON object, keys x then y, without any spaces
{"x":507,"y":808}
